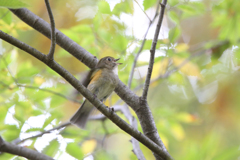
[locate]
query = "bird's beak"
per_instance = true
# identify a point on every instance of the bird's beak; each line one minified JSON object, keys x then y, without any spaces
{"x":116,"y":61}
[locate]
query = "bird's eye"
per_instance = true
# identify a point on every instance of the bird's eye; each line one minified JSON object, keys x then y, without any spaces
{"x":109,"y":59}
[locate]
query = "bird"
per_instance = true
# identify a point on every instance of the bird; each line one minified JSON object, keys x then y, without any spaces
{"x":101,"y":81}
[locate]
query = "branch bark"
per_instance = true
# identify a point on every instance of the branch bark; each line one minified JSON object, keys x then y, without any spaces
{"x":22,"y":151}
{"x":88,"y":95}
{"x":53,"y":34}
{"x":152,"y":51}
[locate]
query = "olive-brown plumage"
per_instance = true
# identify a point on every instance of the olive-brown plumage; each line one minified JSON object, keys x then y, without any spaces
{"x":101,"y":81}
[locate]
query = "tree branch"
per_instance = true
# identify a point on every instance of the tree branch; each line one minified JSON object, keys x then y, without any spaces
{"x":124,"y":109}
{"x":88,"y":95}
{"x":142,"y":10}
{"x":62,"y":40}
{"x":22,"y":151}
{"x":17,"y":141}
{"x":133,"y":122}
{"x":141,"y":47}
{"x":53,"y":34}
{"x":152,"y":51}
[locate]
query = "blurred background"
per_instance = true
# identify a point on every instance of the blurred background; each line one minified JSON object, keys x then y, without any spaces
{"x":194,"y":95}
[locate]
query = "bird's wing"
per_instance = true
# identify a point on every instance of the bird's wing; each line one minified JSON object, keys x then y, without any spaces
{"x":89,"y":77}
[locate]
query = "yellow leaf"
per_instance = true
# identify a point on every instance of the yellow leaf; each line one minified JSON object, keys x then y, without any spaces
{"x":186,"y":117}
{"x":188,"y":68}
{"x":181,"y":47}
{"x":39,"y":80}
{"x":177,"y":131}
{"x":23,"y":26}
{"x":165,"y":141}
{"x":89,"y":146}
{"x":159,"y":68}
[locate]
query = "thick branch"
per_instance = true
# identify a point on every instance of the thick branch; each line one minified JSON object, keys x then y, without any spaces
{"x":89,"y":96}
{"x":22,"y":151}
{"x":62,"y":40}
{"x":53,"y":34}
{"x":152,"y":51}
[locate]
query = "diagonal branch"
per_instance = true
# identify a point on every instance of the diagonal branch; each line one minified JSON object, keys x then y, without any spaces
{"x":17,"y":141}
{"x":142,"y":10}
{"x":53,"y":34}
{"x":88,"y":95}
{"x":152,"y":51}
{"x":22,"y":151}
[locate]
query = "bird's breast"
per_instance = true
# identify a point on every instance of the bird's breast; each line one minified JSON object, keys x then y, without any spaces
{"x":103,"y":83}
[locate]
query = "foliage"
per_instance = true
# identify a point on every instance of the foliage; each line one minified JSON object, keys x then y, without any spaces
{"x":195,"y":108}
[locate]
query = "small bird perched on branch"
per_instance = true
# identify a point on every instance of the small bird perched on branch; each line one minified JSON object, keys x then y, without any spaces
{"x":101,"y":81}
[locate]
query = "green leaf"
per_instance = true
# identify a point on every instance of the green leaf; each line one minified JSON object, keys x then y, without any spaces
{"x":72,"y":132}
{"x":148,"y":3}
{"x":48,"y":121}
{"x":52,"y":148}
{"x":83,"y":28}
{"x":173,"y":16}
{"x":11,"y":132}
{"x":174,"y":34}
{"x":85,"y":42}
{"x":36,"y":112}
{"x":6,"y":15}
{"x":105,"y":35}
{"x":3,"y":113}
{"x":148,"y":44}
{"x":186,"y":8}
{"x":23,"y":110}
{"x":229,"y":153}
{"x":119,"y":43}
{"x":191,"y":9}
{"x":6,"y":156}
{"x":33,"y":130}
{"x":74,"y":150}
{"x":57,"y":101}
{"x":123,"y":7}
{"x":173,"y":2}
{"x":12,"y":4}
{"x":26,"y":71}
{"x":104,"y":7}
{"x":177,"y":78}
{"x":71,"y":34}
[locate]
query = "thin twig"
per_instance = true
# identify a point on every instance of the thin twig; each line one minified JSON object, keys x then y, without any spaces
{"x":133,"y":122}
{"x":9,"y":71}
{"x":4,"y":14}
{"x":17,"y":141}
{"x":170,"y":72}
{"x":53,"y":33}
{"x":152,"y":51}
{"x":141,"y":48}
{"x":142,"y":10}
{"x":50,"y":91}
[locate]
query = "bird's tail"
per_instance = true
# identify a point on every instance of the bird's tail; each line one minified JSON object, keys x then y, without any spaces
{"x":81,"y":116}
